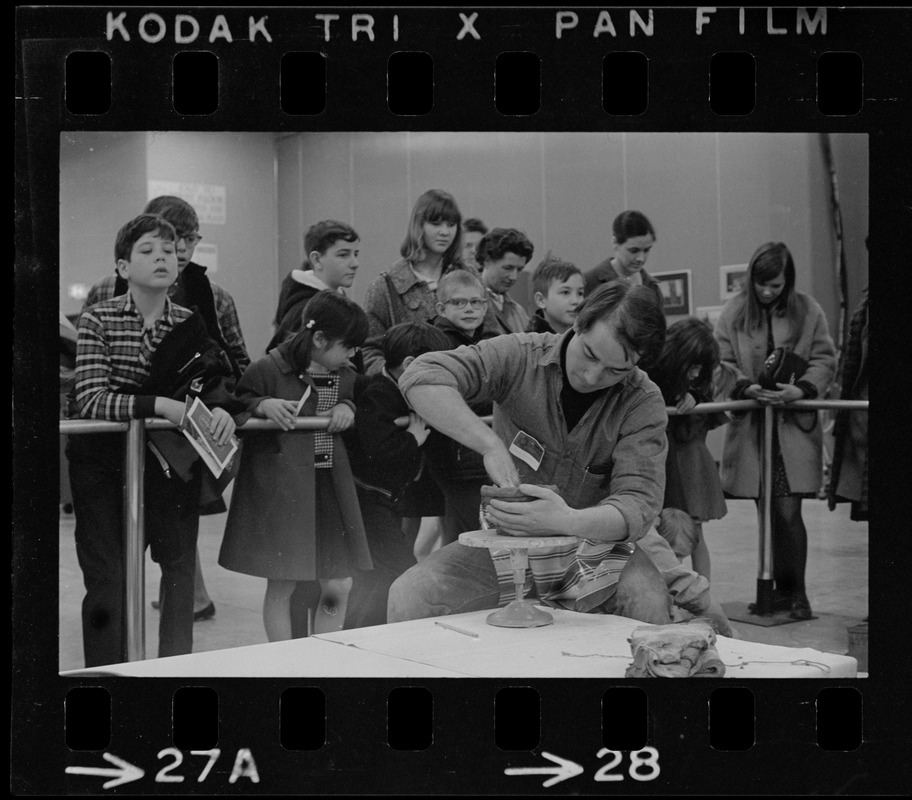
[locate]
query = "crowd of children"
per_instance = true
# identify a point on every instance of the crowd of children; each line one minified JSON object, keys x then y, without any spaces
{"x":331,"y":516}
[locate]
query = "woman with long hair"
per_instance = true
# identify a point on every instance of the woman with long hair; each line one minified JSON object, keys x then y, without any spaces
{"x":770,"y":313}
{"x":407,"y":291}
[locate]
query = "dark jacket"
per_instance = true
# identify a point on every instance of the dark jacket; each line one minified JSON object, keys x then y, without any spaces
{"x":538,"y":323}
{"x":297,"y":289}
{"x":849,"y":468}
{"x":271,"y":527}
{"x":605,"y":273}
{"x":293,"y":298}
{"x":384,"y":456}
{"x":459,"y":337}
{"x":195,"y":292}
{"x":450,"y":460}
{"x":188,"y":361}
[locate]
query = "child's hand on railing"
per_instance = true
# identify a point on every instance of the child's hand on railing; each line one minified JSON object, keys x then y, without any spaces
{"x":221,"y":426}
{"x":686,"y":403}
{"x":281,"y":412}
{"x":342,"y":417}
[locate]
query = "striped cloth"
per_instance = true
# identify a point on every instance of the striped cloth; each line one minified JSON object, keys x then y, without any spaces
{"x":585,"y":584}
{"x":327,"y":384}
{"x":113,"y":353}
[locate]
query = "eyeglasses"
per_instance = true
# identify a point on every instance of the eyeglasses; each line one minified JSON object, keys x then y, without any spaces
{"x":190,"y":238}
{"x":462,"y":302}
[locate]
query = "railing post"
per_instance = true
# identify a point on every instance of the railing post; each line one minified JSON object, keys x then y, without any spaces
{"x":764,"y":603}
{"x":134,"y":543}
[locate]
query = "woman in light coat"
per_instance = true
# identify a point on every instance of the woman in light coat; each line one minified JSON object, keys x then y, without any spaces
{"x":408,"y":291}
{"x":770,"y":313}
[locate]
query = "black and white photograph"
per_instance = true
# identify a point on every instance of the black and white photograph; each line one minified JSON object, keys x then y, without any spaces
{"x":432,"y":380}
{"x":265,"y":198}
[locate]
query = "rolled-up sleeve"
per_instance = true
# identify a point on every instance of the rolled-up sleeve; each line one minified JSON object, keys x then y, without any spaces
{"x":480,"y":373}
{"x":637,"y":486}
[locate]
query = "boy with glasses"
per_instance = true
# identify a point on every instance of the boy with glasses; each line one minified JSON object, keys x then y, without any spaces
{"x":458,"y":470}
{"x":461,"y":305}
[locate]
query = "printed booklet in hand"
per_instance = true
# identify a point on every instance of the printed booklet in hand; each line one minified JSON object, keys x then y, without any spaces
{"x":196,"y":427}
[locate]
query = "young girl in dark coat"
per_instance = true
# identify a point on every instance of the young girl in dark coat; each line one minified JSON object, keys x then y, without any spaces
{"x":693,"y":491}
{"x":294,"y":514}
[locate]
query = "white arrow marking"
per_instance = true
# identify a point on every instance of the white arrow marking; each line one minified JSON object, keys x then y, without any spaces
{"x":125,"y":772}
{"x":564,"y":769}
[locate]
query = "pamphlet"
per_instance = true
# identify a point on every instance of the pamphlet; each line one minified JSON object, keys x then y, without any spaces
{"x":196,"y":427}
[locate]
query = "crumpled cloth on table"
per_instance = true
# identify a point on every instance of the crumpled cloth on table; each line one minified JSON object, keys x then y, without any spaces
{"x":683,"y":650}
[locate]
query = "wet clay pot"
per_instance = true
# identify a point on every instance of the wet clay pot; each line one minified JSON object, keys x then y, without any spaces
{"x":511,"y":494}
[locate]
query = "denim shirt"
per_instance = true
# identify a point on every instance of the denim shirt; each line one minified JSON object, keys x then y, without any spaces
{"x":616,"y":453}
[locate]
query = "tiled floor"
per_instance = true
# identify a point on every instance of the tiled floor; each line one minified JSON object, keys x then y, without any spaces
{"x":837,"y":578}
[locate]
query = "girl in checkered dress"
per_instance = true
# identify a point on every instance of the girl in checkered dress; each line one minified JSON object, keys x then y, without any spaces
{"x":294,"y":516}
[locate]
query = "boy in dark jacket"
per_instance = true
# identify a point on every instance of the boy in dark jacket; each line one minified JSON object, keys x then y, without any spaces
{"x":116,"y":344}
{"x":557,"y":288}
{"x":388,"y":462}
{"x":461,"y":304}
{"x":458,"y":470}
{"x":332,"y":249}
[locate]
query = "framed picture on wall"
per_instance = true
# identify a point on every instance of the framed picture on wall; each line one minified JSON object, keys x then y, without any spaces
{"x":675,"y":287}
{"x":731,"y":279}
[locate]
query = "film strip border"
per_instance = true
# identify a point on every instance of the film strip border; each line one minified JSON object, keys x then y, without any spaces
{"x":360,"y":746}
{"x":358,"y":737}
{"x":515,"y":83}
{"x":523,"y":68}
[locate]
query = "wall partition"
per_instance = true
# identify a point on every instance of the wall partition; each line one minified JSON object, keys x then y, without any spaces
{"x":712,"y":197}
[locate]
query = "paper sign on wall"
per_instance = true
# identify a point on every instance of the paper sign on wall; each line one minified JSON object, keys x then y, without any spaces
{"x":210,"y":202}
{"x":206,"y":255}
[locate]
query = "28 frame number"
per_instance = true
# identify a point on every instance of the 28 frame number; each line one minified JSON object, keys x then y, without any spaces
{"x":644,"y":766}
{"x":647,"y":758}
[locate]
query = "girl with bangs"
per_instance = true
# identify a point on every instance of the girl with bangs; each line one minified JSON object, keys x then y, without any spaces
{"x":770,"y":313}
{"x":408,"y":291}
{"x":693,"y":492}
{"x":294,"y":516}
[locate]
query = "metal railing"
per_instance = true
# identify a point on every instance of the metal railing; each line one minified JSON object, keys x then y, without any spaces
{"x":134,"y":532}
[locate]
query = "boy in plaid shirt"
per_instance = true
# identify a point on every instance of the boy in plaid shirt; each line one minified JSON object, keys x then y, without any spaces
{"x":116,"y":341}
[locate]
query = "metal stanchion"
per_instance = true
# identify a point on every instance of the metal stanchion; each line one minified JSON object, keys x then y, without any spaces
{"x":134,"y":532}
{"x":764,"y":603}
{"x":134,"y":543}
